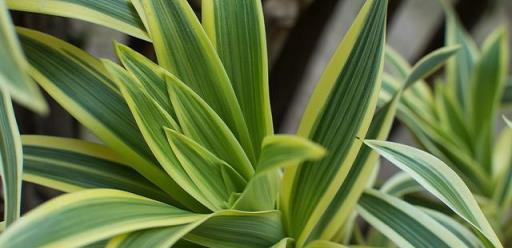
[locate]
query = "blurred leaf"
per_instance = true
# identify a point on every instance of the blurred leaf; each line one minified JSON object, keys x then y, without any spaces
{"x":14,"y":80}
{"x":429,"y":64}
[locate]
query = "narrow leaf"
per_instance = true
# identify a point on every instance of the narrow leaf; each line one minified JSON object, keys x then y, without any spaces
{"x":162,"y":237}
{"x":14,"y":79}
{"x":428,"y":64}
{"x":404,"y":224}
{"x":183,"y":48}
{"x":502,"y":171}
{"x":340,"y":110}
{"x":71,"y":165}
{"x":437,"y":178}
{"x":200,"y":123}
{"x":90,"y":216}
{"x":11,"y":160}
{"x":116,"y":14}
{"x":237,"y":31}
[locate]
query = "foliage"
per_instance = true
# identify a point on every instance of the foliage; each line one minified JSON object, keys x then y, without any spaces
{"x":189,"y":156}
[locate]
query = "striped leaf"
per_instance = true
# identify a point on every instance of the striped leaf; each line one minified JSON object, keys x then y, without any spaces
{"x":150,"y":75}
{"x":227,"y":228}
{"x":400,"y":184}
{"x":404,"y":224}
{"x":91,"y":215}
{"x":183,"y":48}
{"x":215,"y":179}
{"x":324,"y":244}
{"x":487,"y":86}
{"x":359,"y":176}
{"x":163,"y":237}
{"x":277,"y":152}
{"x":151,"y":120}
{"x":460,"y":67}
{"x":502,"y":171}
{"x":230,"y":229}
{"x":13,"y":68}
{"x":340,"y":110}
{"x":465,"y":235}
{"x":429,"y":64}
{"x":116,"y":14}
{"x":437,"y":178}
{"x":237,"y":31}
{"x":82,"y":86}
{"x":11,"y":160}
{"x":71,"y":165}
{"x":200,"y":123}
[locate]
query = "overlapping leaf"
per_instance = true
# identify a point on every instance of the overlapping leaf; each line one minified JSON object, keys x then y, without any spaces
{"x":339,"y":111}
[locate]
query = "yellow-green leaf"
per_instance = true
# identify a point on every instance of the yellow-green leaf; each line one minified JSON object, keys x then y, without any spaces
{"x":428,"y":64}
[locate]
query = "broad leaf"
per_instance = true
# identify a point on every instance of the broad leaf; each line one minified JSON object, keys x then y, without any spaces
{"x":437,"y":178}
{"x":71,"y":165}
{"x":340,"y":110}
{"x":116,"y":14}
{"x":237,"y":31}
{"x":90,"y":216}
{"x":14,"y":79}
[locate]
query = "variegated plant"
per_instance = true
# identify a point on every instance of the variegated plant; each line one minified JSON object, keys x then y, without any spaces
{"x":189,"y":157}
{"x":457,"y":121}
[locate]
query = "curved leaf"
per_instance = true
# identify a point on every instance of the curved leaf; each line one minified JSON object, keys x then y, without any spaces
{"x":437,"y":178}
{"x":400,"y":184}
{"x":237,"y":31}
{"x":183,"y":48}
{"x":11,"y":162}
{"x":91,"y":215}
{"x":163,"y":237}
{"x":116,"y":14}
{"x":340,"y":110}
{"x":14,"y":79}
{"x":428,"y":64}
{"x":404,"y":224}
{"x":71,"y":165}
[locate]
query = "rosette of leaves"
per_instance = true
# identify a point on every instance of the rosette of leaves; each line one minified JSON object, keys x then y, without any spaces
{"x":188,"y":155}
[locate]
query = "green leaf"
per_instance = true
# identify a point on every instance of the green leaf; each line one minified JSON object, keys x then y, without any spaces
{"x":429,"y":64}
{"x":230,"y":229}
{"x":91,"y":215}
{"x":340,"y":110}
{"x":502,"y":171}
{"x":278,"y":151}
{"x":324,"y":244}
{"x":116,"y":14}
{"x":215,"y":179}
{"x":487,"y":86}
{"x":183,"y":48}
{"x":11,"y":160}
{"x":81,"y":85}
{"x":509,"y":123}
{"x":71,"y":165}
{"x":163,"y":237}
{"x":359,"y":176}
{"x":200,"y":123}
{"x":460,"y":67}
{"x":284,"y":243}
{"x":150,"y":75}
{"x":151,"y":120}
{"x":437,"y":178}
{"x":400,"y":184}
{"x":465,"y":235}
{"x":14,"y":67}
{"x":237,"y":31}
{"x":404,"y":224}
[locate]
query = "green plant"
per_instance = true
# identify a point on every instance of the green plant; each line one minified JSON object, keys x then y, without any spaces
{"x":189,"y":156}
{"x":457,"y":121}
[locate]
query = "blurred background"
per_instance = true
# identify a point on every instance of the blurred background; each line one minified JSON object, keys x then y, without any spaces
{"x":302,"y":35}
